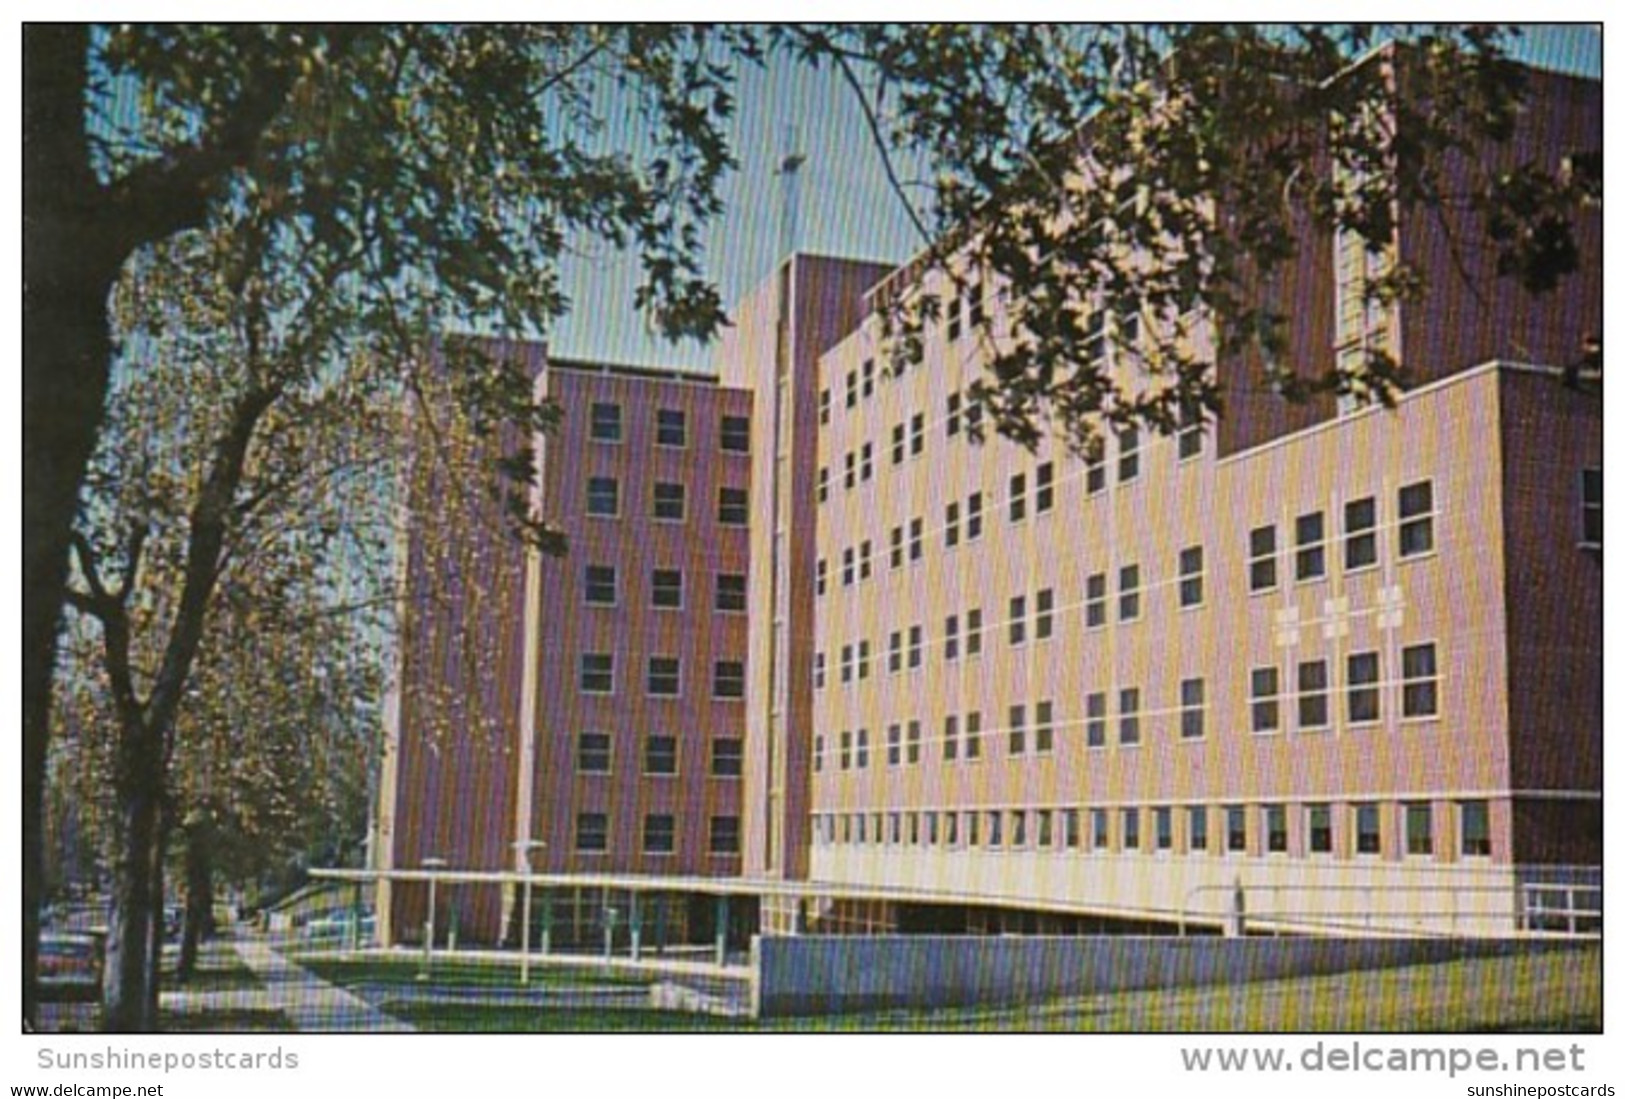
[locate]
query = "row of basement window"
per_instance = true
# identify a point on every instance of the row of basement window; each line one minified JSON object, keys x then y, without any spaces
{"x":659,"y":836}
{"x":963,"y":735}
{"x":665,"y":676}
{"x":602,"y":589}
{"x":595,"y":755}
{"x":669,"y":502}
{"x":1250,"y":829}
{"x":671,"y":428}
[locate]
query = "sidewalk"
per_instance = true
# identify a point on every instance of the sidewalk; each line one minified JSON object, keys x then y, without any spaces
{"x":309,"y":1002}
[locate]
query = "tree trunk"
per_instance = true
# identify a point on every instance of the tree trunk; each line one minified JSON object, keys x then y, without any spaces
{"x":199,"y":919}
{"x":129,"y":996}
{"x":155,"y":919}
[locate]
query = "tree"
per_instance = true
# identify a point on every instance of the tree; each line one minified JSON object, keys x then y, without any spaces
{"x":440,"y":173}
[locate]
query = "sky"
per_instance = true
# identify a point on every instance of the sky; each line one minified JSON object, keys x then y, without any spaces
{"x":846,"y":207}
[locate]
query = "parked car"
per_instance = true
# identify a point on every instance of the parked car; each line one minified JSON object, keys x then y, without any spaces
{"x":335,"y":927}
{"x":70,"y":965}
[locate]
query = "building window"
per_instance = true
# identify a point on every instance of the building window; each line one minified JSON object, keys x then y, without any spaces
{"x":1266,"y":700}
{"x":1044,"y":727}
{"x":1418,"y":829}
{"x":1018,"y":729}
{"x":1131,"y":829}
{"x":995,"y":828}
{"x":863,"y":748}
{"x":1018,"y":497}
{"x":1416,"y":519}
{"x":597,"y":673}
{"x":671,"y":427}
{"x":897,"y":547}
{"x":1196,"y":822}
{"x":824,"y":404}
{"x":1128,"y":716}
{"x":1018,"y":620}
{"x":849,"y":566}
{"x":592,"y":832}
{"x":1044,"y":616}
{"x":1094,"y":601}
{"x":669,"y":501}
{"x":1261,"y":558}
{"x":950,"y":526}
{"x":1420,"y":696}
{"x":1190,"y":577}
{"x":956,"y":317}
{"x":1128,"y":455}
{"x":1319,"y":827}
{"x":1275,"y":829}
{"x":894,"y":746}
{"x":851,"y":470}
{"x":973,"y":632}
{"x":846,"y":664}
{"x":724,"y":835}
{"x":728,"y":680}
{"x":1367,"y":830}
{"x":894,"y":652}
{"x":916,"y":435}
{"x":955,"y":403}
{"x":822,"y":583}
{"x":866,"y":462}
{"x":914,"y":741}
{"x":823,"y":484}
{"x":950,"y":738}
{"x":950,"y":638}
{"x":603,"y":497}
{"x":851,"y":389}
{"x":1128,"y":593}
{"x":665,"y":676}
{"x":733,"y":507}
{"x":730,"y":591}
{"x":820,"y":671}
{"x":899,"y":444}
{"x":1314,"y":712}
{"x":1359,"y":534}
{"x":868,"y":377}
{"x":601,"y":585}
{"x":1094,"y":471}
{"x":606,"y":422}
{"x":846,"y":749}
{"x":1071,"y":830}
{"x":1094,"y":725}
{"x":1162,"y":827}
{"x":1363,"y":693}
{"x":659,"y":834}
{"x":1191,"y":430}
{"x":916,"y":645}
{"x":1044,"y":488}
{"x":863,"y":660}
{"x":916,"y":539}
{"x":973,"y":735}
{"x":1310,"y":535}
{"x":1475,"y":829}
{"x":659,"y":754}
{"x":1046,"y":827}
{"x":973,"y":517}
{"x":668,"y":588}
{"x":736,"y":434}
{"x":1100,"y":826}
{"x":1192,"y":695}
{"x":592,"y":753}
{"x":1591,"y":508}
{"x":1235,"y":829}
{"x":866,"y":559}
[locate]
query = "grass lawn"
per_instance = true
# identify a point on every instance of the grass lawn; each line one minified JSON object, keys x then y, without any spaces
{"x":218,"y":970}
{"x":1551,"y":991}
{"x":237,"y":1020}
{"x":463,"y":974}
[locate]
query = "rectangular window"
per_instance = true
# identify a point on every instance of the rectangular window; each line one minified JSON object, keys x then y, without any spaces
{"x":851,"y":389}
{"x":824,"y":404}
{"x":1128,"y":715}
{"x":849,"y":566}
{"x":1421,"y":688}
{"x":863,"y":748}
{"x":973,"y":735}
{"x":592,"y":753}
{"x":1310,"y":536}
{"x":1018,"y":620}
{"x":665,"y":676}
{"x":1162,"y":823}
{"x":894,"y":652}
{"x":669,"y":501}
{"x":818,"y":752}
{"x":955,"y":403}
{"x":916,"y":435}
{"x":866,"y":462}
{"x":868,"y":377}
{"x":950,"y":638}
{"x":597,"y":673}
{"x":1591,"y":508}
{"x":1131,"y":829}
{"x":727,"y":757}
{"x":1046,"y":827}
{"x":846,"y":749}
{"x":899,"y":444}
{"x":846,"y":663}
{"x":1235,"y":829}
{"x":1266,"y":700}
{"x":728,"y":680}
{"x":1128,"y":454}
{"x":1094,"y":472}
{"x":973,"y":517}
{"x":736,"y":434}
{"x":603,"y":497}
{"x":1071,"y":830}
{"x":666,"y":588}
{"x":1367,"y":830}
{"x":724,"y":835}
{"x":1418,"y":829}
{"x":1363,"y":693}
{"x":659,"y":834}
{"x":916,"y":539}
{"x":973,"y":828}
{"x":1018,"y":497}
{"x":733,"y":507}
{"x":995,"y":828}
{"x":730,"y":591}
{"x":1044,"y":727}
{"x":851,"y":470}
{"x":592,"y":832}
{"x":1190,"y":577}
{"x":659,"y":755}
{"x":1191,"y":430}
{"x":1128,"y":593}
{"x":823,"y":484}
{"x":1261,"y":558}
{"x":950,"y":737}
{"x":606,"y":422}
{"x":950,"y":526}
{"x":916,"y":645}
{"x":1318,"y":822}
{"x":863,"y":660}
{"x":1196,"y":822}
{"x":894,"y":745}
{"x":973,"y":632}
{"x":897,"y":547}
{"x":1314,"y":711}
{"x":601,"y":585}
{"x":1359,"y":534}
{"x":955,"y":317}
{"x":820,"y":671}
{"x":1475,"y":829}
{"x":866,"y":559}
{"x":1095,"y":720}
{"x":1044,"y":488}
{"x":1044,"y":617}
{"x":1192,"y":695}
{"x":822,"y":584}
{"x":1416,"y":519}
{"x":1100,"y":829}
{"x":671,"y":427}
{"x":914,"y":741}
{"x":1094,"y":601}
{"x":1018,"y":729}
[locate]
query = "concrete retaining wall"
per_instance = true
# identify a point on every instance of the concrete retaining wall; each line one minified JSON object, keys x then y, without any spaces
{"x":820,"y":975}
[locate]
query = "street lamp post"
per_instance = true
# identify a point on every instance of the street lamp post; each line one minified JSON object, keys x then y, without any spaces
{"x":431,"y":865}
{"x":525,"y":847}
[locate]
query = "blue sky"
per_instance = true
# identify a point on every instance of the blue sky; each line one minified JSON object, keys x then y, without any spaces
{"x":846,"y":207}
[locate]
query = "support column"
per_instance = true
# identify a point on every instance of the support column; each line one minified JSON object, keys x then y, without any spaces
{"x":635,"y":922}
{"x":722,"y":929}
{"x":547,"y":922}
